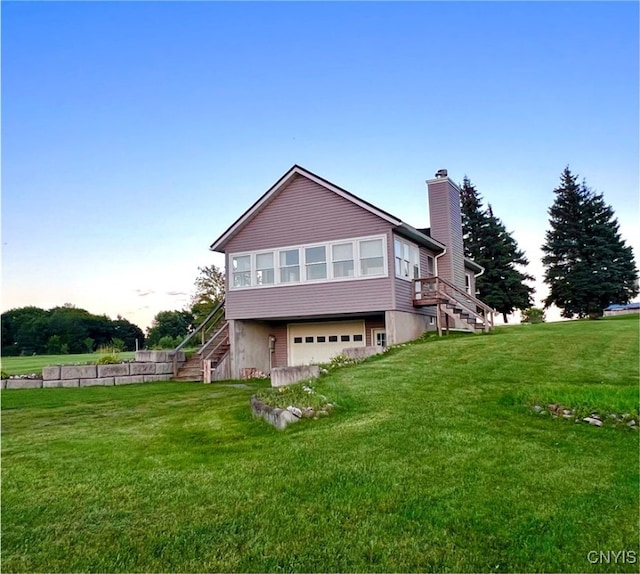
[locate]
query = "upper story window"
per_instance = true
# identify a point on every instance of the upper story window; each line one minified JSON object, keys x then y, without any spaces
{"x":359,"y":258}
{"x":290,"y":266}
{"x":342,"y":259}
{"x":241,"y":270}
{"x":265,"y":270}
{"x":316,"y":262}
{"x":371,"y":257}
{"x":407,"y":259}
{"x":431,"y":266}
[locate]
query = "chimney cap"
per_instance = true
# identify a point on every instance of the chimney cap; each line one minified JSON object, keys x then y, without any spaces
{"x":441,"y":173}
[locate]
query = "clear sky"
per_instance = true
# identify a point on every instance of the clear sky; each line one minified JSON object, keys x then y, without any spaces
{"x":133,"y":134}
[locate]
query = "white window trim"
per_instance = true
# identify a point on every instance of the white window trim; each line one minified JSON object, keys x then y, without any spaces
{"x":328,"y":245}
{"x":411,"y":246}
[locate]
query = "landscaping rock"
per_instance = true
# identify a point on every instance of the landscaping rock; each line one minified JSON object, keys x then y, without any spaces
{"x":294,"y":410}
{"x":128,"y":380}
{"x":119,"y":370}
{"x":538,"y":408}
{"x":24,"y":384}
{"x":51,"y":373}
{"x":593,"y":421}
{"x":101,"y":382}
{"x":142,"y":368}
{"x":155,"y":378}
{"x":78,"y":372}
{"x":631,"y":423}
{"x":4,"y":383}
{"x":163,"y":369}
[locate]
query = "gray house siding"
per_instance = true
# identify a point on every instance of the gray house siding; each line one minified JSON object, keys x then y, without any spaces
{"x":446,"y":227}
{"x":305,"y":212}
{"x":312,"y":300}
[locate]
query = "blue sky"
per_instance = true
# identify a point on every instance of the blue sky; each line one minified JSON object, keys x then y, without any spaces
{"x":133,"y":134}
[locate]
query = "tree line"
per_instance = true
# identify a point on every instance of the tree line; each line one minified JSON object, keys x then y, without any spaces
{"x":587,"y":264}
{"x":62,"y":330}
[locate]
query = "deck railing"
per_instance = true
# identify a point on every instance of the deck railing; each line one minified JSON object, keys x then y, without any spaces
{"x":436,"y":290}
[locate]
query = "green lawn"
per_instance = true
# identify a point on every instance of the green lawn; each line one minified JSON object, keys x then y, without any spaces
{"x":34,"y":364}
{"x":433,"y":461}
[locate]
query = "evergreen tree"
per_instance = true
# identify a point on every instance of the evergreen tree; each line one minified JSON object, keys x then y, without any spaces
{"x":488,"y":243}
{"x":588,"y":266}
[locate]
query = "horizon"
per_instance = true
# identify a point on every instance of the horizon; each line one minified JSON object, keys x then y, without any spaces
{"x":134,"y":134}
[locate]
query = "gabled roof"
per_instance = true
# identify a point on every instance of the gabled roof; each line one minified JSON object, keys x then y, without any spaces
{"x":259,"y":205}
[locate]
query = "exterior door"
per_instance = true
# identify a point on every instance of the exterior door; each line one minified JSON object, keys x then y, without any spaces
{"x":379,"y":337}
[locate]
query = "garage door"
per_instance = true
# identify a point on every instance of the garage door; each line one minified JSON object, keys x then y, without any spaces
{"x":311,"y":343}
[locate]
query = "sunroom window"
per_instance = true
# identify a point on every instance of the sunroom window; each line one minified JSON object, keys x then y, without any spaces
{"x":371,"y":257}
{"x":241,"y":271}
{"x":265,"y":274}
{"x":315,"y":259}
{"x":342,"y":257}
{"x":290,"y":266}
{"x":407,"y":259}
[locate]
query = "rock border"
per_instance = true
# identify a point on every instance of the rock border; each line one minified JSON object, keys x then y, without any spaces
{"x":594,"y":418}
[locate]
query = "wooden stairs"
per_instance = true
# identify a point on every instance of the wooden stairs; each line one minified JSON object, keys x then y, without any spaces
{"x":214,"y":349}
{"x":455,"y":308}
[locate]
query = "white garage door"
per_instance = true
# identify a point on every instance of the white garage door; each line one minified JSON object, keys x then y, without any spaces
{"x":311,"y":343}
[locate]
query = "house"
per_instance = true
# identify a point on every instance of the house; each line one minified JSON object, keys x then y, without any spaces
{"x":313,"y":269}
{"x":616,"y":309}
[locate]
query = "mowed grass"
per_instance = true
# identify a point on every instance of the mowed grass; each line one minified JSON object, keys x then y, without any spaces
{"x":35,"y":363}
{"x":432,"y":461}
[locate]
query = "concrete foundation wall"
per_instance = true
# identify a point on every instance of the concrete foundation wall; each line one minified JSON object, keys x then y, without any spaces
{"x":283,"y":376}
{"x":249,"y":346}
{"x":402,"y":327}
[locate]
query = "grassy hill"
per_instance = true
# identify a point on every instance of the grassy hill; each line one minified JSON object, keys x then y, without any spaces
{"x":434,"y":460}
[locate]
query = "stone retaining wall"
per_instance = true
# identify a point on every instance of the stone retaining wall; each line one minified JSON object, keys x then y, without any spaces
{"x":149,"y":367}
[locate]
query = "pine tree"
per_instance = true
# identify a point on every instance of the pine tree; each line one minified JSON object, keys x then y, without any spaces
{"x":488,"y":243}
{"x":588,"y":266}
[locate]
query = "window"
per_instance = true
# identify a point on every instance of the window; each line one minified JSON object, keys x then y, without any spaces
{"x":241,"y":271}
{"x":308,"y":339}
{"x":345,"y":259}
{"x":321,"y":339}
{"x":431,"y":266}
{"x":342,"y":258}
{"x":357,"y":338}
{"x":407,"y":259}
{"x":333,"y":338}
{"x":344,"y":338}
{"x":315,"y":259}
{"x":467,"y":283}
{"x":264,"y":269}
{"x":371,"y":257}
{"x":290,"y":266}
{"x":297,"y":339}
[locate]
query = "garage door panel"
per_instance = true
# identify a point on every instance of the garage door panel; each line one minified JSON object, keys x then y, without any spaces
{"x":319,"y":342}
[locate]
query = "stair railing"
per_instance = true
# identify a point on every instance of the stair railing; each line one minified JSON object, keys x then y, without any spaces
{"x":470,"y":303}
{"x":214,"y":343}
{"x":439,"y":288}
{"x":211,"y":321}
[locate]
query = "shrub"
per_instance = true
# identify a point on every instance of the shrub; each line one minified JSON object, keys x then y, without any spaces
{"x":110,"y":359}
{"x":167,"y":342}
{"x":533,"y":315}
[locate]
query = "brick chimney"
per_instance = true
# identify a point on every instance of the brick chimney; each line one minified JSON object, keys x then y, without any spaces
{"x":446,"y":226}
